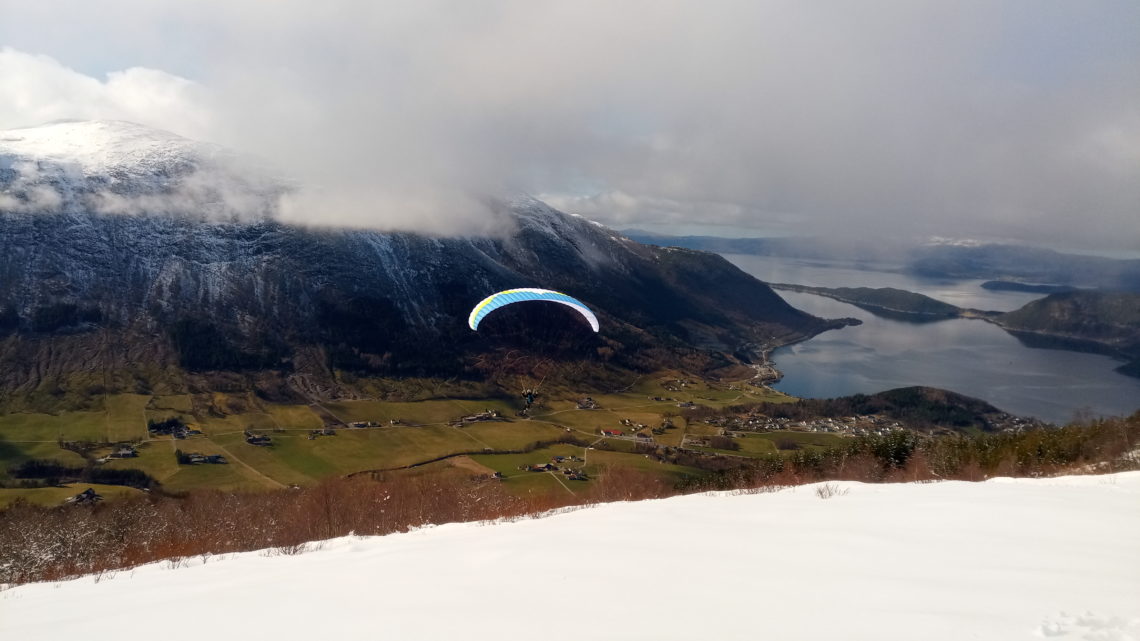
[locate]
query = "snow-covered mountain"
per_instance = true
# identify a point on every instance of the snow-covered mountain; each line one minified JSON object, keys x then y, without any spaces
{"x":116,"y":167}
{"x":168,"y":280}
{"x":104,"y":147}
{"x":1002,"y":560}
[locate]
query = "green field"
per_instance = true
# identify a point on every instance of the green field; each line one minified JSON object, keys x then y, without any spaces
{"x":803,"y":439}
{"x":765,"y":443}
{"x":215,"y":477}
{"x":508,"y":464}
{"x":57,"y":495}
{"x":423,"y":433}
{"x":182,"y":403}
{"x":596,"y":464}
{"x":294,"y":417}
{"x":155,"y":458}
{"x":126,"y":416}
{"x":234,"y":423}
{"x":418,"y":413}
{"x":68,"y":426}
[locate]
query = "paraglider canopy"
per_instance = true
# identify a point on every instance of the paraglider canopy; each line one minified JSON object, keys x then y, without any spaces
{"x":509,"y":296}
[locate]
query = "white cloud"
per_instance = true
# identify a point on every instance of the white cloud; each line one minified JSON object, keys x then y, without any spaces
{"x":962,"y":119}
{"x":40,"y":89}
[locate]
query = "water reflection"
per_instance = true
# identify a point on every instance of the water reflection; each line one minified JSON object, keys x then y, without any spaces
{"x":968,"y":356}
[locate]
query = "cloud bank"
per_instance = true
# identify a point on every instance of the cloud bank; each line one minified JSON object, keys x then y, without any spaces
{"x":1011,"y":120}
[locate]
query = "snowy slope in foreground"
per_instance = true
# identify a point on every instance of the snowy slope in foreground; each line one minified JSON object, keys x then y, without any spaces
{"x":1006,"y":559}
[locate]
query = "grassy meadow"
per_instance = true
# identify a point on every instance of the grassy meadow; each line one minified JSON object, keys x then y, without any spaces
{"x":410,"y":434}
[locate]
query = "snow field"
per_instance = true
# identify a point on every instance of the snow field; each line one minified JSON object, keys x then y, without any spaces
{"x":1005,"y":559}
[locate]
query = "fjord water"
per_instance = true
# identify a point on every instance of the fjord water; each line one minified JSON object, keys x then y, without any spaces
{"x":971,"y":357}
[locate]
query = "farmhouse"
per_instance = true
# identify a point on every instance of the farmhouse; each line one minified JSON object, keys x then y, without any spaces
{"x":125,"y":451}
{"x":587,"y":404}
{"x":197,"y":458}
{"x":325,"y":431}
{"x":257,"y":439}
{"x":485,"y":415}
{"x":86,"y":496}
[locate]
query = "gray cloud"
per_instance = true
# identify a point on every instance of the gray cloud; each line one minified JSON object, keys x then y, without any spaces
{"x":1012,"y":120}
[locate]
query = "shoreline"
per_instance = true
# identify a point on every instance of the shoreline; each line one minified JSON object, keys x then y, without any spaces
{"x":766,"y":371}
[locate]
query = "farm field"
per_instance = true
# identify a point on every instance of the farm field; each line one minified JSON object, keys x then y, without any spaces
{"x":401,"y":435}
{"x":768,"y":443}
{"x":802,"y":439}
{"x":57,"y":495}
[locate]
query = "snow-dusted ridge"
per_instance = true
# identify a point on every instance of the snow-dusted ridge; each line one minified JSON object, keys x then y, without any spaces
{"x":118,"y":167}
{"x":95,"y":146}
{"x":1005,"y":559}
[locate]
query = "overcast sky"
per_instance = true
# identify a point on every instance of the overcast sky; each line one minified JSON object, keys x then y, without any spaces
{"x":991,"y":119}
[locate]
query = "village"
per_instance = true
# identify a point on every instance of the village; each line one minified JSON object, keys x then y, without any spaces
{"x":854,"y":426}
{"x":846,"y":426}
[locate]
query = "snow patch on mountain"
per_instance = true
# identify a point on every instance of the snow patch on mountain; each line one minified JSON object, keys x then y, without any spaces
{"x":102,"y":146}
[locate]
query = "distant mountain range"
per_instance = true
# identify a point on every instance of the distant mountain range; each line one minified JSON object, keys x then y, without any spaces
{"x":124,"y":265}
{"x":1014,"y":264}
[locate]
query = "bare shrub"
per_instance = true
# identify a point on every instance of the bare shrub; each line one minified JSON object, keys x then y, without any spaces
{"x":828,"y":490}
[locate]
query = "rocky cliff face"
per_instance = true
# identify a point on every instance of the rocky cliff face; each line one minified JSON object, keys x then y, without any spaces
{"x":90,"y":297}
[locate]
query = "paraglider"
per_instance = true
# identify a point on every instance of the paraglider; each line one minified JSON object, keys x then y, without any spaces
{"x":509,"y":296}
{"x":537,"y":336}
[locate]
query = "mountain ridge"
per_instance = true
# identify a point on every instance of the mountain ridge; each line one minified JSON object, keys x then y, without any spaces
{"x":96,"y":300}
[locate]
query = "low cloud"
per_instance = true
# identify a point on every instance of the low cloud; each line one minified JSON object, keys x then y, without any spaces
{"x":39,"y":89}
{"x":217,"y":189}
{"x":1010,"y":120}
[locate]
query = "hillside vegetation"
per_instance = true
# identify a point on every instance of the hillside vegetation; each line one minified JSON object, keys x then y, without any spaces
{"x":1108,"y":317}
{"x":1109,"y":320}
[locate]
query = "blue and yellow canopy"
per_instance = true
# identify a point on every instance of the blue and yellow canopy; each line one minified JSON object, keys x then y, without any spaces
{"x":508,"y":296}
